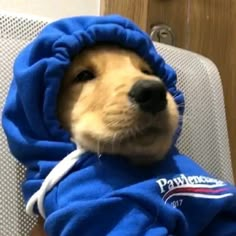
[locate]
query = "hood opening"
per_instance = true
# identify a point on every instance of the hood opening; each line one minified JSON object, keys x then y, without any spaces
{"x":39,"y":68}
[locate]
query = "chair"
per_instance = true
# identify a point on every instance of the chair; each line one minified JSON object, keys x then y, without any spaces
{"x":204,"y":136}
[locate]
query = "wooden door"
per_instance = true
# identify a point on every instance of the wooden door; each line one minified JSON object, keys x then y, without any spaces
{"x":207,"y":27}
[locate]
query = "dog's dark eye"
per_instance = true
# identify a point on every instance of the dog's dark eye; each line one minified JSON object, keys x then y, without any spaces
{"x":147,"y":72}
{"x":84,"y":76}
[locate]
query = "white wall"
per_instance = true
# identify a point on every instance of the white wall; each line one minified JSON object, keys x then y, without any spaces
{"x":52,"y":8}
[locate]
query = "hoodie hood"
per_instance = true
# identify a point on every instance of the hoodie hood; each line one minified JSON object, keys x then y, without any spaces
{"x":29,"y":117}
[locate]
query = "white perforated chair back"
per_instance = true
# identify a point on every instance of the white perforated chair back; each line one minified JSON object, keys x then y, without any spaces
{"x":204,"y":135}
{"x":15,"y":33}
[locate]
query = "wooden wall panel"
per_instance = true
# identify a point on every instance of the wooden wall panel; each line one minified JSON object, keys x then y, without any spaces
{"x":133,"y":9}
{"x":158,"y":13}
{"x":203,"y":26}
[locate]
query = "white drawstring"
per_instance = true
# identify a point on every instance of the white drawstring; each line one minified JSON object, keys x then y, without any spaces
{"x":56,"y":174}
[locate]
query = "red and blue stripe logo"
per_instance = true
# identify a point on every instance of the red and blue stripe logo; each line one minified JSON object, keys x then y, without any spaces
{"x":214,"y":191}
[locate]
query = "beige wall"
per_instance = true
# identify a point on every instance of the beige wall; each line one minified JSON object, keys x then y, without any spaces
{"x":52,"y":8}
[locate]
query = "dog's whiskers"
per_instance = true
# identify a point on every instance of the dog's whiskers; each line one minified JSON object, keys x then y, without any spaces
{"x":114,"y":139}
{"x":98,"y":149}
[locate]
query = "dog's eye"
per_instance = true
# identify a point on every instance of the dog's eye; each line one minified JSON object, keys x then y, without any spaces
{"x":84,"y":76}
{"x":147,"y":72}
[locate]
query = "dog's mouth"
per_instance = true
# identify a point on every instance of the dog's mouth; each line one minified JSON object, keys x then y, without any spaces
{"x":145,"y":136}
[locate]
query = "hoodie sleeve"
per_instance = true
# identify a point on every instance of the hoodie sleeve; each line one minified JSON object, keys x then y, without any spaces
{"x":114,"y":217}
{"x":224,"y":223}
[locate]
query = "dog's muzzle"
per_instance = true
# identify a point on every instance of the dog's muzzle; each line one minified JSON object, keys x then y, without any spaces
{"x":149,"y":95}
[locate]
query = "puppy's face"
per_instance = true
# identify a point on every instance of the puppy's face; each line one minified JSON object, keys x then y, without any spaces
{"x":111,"y":102}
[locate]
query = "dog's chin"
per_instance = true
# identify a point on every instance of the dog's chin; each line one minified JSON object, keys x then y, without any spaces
{"x":140,"y":146}
{"x":142,"y":137}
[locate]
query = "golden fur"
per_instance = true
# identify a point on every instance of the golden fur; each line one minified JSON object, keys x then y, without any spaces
{"x":99,"y":115}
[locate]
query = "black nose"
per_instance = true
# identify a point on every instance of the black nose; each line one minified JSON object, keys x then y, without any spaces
{"x":150,"y":95}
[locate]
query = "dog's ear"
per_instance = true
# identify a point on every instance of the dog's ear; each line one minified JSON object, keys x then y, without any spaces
{"x":38,"y":229}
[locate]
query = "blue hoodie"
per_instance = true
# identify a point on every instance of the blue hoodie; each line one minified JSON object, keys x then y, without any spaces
{"x":106,"y":195}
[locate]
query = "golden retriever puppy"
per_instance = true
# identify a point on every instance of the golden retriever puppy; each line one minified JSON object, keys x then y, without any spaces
{"x":97,"y":133}
{"x":111,"y":102}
